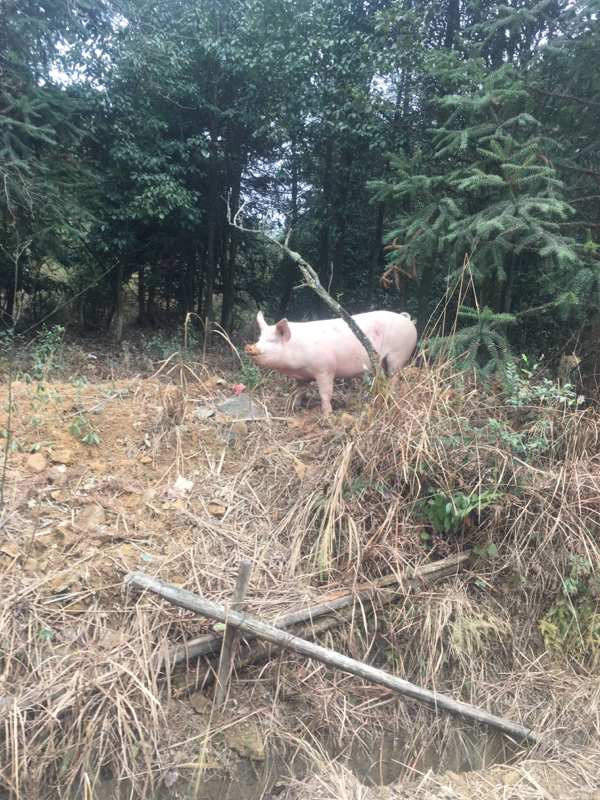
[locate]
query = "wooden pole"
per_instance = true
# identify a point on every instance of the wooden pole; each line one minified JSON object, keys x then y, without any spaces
{"x":191,"y":601}
{"x":231,"y":632}
{"x":379,"y":591}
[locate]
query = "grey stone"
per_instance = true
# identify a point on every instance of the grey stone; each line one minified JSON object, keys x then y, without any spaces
{"x":243,"y":407}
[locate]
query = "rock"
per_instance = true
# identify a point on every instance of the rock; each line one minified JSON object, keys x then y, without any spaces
{"x":91,"y":516}
{"x":511,"y":777}
{"x":200,"y":703}
{"x":11,"y":549}
{"x":214,"y":381}
{"x":149,"y":495}
{"x":146,"y":460}
{"x":243,"y":407}
{"x":61,"y":456}
{"x":246,"y":740}
{"x":228,"y":436}
{"x":300,"y":468}
{"x":217,"y":507}
{"x":62,"y":583}
{"x":204,"y":413}
{"x":240,"y":428}
{"x":36,"y":462}
{"x":109,"y":639}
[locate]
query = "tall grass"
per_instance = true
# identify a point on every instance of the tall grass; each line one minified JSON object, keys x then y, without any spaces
{"x":441,"y":465}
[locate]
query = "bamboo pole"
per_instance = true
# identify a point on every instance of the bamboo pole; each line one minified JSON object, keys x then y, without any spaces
{"x":381,"y":591}
{"x":231,"y":632}
{"x":199,"y":605}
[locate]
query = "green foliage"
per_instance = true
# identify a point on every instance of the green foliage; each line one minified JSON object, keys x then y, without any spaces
{"x":525,"y":386}
{"x":46,"y":352}
{"x":85,"y":429}
{"x":249,"y":372}
{"x":91,"y":437}
{"x":572,"y":624}
{"x":528,"y":444}
{"x":482,"y":346}
{"x":164,"y":345}
{"x":448,"y":512}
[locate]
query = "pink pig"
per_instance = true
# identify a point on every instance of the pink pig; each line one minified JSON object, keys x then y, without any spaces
{"x":327,"y":349}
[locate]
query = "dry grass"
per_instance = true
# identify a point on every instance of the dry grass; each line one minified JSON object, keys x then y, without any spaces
{"x":318,"y":508}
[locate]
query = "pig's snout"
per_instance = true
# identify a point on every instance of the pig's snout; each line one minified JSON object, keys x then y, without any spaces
{"x":251,"y":350}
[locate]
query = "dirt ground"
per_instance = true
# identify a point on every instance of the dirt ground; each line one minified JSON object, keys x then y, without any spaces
{"x":103,"y":479}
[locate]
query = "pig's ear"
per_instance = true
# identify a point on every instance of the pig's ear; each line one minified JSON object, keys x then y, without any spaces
{"x":261,"y":321}
{"x":283,"y":329}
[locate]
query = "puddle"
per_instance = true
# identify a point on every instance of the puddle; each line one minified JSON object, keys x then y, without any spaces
{"x":381,"y":766}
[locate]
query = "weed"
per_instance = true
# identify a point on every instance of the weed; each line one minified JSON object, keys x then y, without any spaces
{"x":249,"y":372}
{"x":77,"y":428}
{"x":360,"y":487}
{"x":46,"y":354}
{"x":91,"y":437}
{"x":14,"y":444}
{"x":525,"y":386}
{"x":35,"y":447}
{"x":527,"y":443}
{"x":572,"y":624}
{"x":74,"y":428}
{"x":447,"y":512}
{"x":78,"y":380}
{"x":483,"y":550}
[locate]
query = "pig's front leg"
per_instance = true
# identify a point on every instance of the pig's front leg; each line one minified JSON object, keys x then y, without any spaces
{"x":325,"y":384}
{"x":302,"y":388}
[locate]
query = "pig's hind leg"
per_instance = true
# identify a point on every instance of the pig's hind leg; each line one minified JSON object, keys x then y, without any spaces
{"x":302,"y":389}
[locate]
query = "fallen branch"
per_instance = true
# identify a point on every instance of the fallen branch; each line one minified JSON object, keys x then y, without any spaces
{"x":211,"y":642}
{"x":312,"y":279}
{"x":231,"y":633}
{"x":199,"y":605}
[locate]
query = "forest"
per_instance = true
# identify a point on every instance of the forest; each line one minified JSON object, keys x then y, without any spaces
{"x":207,"y":590}
{"x":426,"y":156}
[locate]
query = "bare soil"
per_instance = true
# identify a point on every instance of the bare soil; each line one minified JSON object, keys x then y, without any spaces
{"x":161,"y":487}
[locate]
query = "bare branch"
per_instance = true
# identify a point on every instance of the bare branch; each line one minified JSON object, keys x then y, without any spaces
{"x":312,"y":280}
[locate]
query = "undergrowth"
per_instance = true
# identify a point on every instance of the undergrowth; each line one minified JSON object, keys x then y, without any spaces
{"x":443,"y":466}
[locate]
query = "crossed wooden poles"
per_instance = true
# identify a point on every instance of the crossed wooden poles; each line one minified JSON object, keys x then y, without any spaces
{"x":235,"y":621}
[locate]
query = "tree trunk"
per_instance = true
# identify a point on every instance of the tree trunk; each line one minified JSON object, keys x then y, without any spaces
{"x":497,"y":291}
{"x":290,"y":271}
{"x":168,"y":290}
{"x":286,"y":292}
{"x":323,"y":263}
{"x":141,"y":297}
{"x":234,"y":234}
{"x":375,"y":256}
{"x":211,"y":248}
{"x":10,"y":305}
{"x":452,"y":23}
{"x":118,"y":329}
{"x":508,"y":286}
{"x":190,"y":272}
{"x":402,"y":291}
{"x":186,"y":255}
{"x":424,"y":297}
{"x":337,"y":279}
{"x":151,"y":313}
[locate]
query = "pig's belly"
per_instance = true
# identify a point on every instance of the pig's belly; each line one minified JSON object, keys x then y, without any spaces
{"x":340,"y":368}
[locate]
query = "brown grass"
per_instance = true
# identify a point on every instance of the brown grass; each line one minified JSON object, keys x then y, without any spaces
{"x":318,"y":508}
